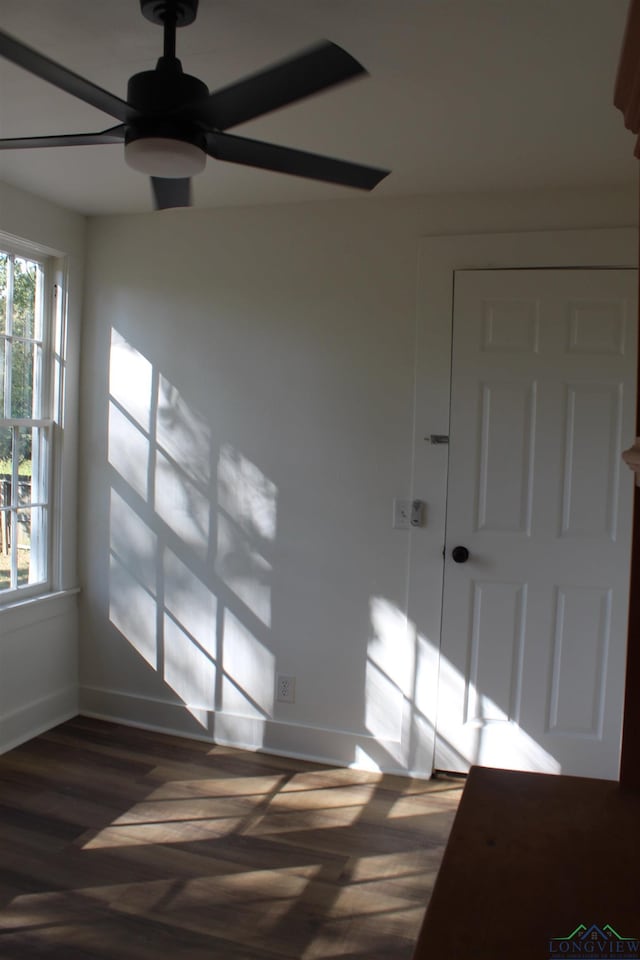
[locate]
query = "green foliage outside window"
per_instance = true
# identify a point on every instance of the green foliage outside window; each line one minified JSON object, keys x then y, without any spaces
{"x":23,"y":321}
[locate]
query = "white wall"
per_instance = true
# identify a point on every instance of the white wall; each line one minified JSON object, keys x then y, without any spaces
{"x":247,"y":417}
{"x":39,"y":638}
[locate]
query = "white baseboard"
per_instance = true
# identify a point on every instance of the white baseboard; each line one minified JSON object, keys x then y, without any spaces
{"x":37,"y":717}
{"x":321,"y":745}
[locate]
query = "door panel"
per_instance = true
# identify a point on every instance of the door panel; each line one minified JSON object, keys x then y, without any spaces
{"x":581,"y":639}
{"x":506,"y":437}
{"x":534,"y":623}
{"x":496,"y":651}
{"x":592,"y":410}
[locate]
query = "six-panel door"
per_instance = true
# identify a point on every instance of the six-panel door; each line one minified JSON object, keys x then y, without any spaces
{"x":534,"y":622}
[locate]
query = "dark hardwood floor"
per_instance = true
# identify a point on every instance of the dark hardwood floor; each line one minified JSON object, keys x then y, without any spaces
{"x":120,"y":844}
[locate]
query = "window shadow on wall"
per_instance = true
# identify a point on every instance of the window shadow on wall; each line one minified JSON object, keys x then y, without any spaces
{"x":192,"y":524}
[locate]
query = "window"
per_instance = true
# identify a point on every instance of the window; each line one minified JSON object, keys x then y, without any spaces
{"x":26,"y":425}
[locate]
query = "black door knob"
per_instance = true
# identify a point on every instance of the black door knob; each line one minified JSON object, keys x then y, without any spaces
{"x":460,"y":554}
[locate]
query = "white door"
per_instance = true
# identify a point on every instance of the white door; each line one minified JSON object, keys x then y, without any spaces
{"x":534,"y":622}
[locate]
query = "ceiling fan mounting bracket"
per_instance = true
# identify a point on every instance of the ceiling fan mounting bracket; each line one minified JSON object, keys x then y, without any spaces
{"x":157,"y":11}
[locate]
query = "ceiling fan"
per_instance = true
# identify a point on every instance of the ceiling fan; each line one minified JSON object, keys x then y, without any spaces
{"x":170,"y":122}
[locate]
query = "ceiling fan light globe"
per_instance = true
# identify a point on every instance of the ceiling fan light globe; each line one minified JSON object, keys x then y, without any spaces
{"x":165,"y":157}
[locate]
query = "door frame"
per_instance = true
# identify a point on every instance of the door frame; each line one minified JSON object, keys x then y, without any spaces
{"x":438,"y":259}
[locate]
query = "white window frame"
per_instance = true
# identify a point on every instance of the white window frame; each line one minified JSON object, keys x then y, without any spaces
{"x":52,"y":307}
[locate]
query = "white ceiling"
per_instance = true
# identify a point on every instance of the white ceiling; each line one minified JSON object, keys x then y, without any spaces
{"x":464,"y":95}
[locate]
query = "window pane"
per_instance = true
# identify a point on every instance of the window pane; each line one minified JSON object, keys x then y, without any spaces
{"x":33,"y":465}
{"x":24,"y":451}
{"x":32,"y":539}
{"x":6,"y":434}
{"x":25,"y":319}
{"x":24,"y":356}
{"x":25,"y":464}
{"x":4,"y":411}
{"x":24,"y":491}
{"x":24,"y":546}
{"x":4,"y":263}
{"x":5,"y":550}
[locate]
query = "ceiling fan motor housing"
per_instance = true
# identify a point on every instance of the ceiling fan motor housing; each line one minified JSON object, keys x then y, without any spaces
{"x":164,"y":91}
{"x":159,"y":98}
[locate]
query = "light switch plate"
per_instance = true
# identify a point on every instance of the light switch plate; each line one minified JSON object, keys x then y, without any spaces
{"x":401,"y":514}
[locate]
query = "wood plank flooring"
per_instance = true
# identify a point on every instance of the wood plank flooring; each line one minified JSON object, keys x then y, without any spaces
{"x":120,"y":844}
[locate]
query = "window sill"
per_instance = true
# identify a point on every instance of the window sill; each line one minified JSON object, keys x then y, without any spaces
{"x":31,"y":610}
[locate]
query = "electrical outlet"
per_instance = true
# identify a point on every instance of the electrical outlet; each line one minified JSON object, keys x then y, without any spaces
{"x":401,"y":514}
{"x":285,"y":689}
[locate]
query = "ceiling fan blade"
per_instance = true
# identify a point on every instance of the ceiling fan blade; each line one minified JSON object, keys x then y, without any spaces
{"x":114,"y":135}
{"x":59,"y":76}
{"x":171,"y":192}
{"x":312,"y":70}
{"x":268,"y":156}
